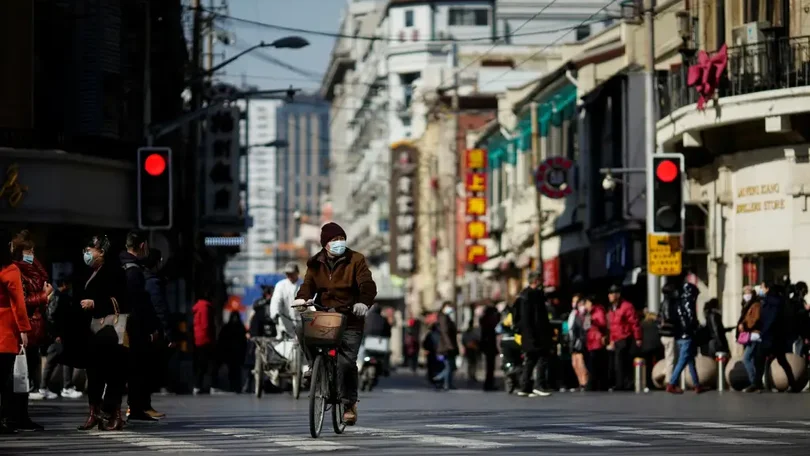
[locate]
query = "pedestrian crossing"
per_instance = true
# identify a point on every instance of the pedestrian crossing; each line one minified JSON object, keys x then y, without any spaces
{"x":447,"y":437}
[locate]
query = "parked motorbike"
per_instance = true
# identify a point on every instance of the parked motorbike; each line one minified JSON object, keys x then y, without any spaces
{"x":511,"y":363}
{"x":374,"y":357}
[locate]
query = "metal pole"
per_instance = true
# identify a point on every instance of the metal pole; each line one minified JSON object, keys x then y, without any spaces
{"x":653,"y":303}
{"x":721,"y":358}
{"x":454,"y":205}
{"x":538,"y":199}
{"x":640,"y":375}
{"x":147,"y":74}
{"x":193,"y":179}
{"x":210,"y":57}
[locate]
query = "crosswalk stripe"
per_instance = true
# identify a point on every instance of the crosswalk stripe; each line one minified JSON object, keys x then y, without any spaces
{"x":684,"y":435}
{"x":447,"y":441}
{"x":155,"y":443}
{"x":800,"y":423}
{"x":287,"y":441}
{"x":553,"y":437}
{"x":738,"y":427}
{"x":422,"y":392}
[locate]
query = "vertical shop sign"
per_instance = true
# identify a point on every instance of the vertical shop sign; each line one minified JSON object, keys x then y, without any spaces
{"x":475,"y":184}
{"x":403,"y":210}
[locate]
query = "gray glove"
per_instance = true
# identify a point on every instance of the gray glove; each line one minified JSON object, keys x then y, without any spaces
{"x":360,"y":309}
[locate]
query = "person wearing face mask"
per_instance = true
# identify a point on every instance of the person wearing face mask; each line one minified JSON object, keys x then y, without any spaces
{"x":341,"y":279}
{"x":531,"y":321}
{"x":145,"y":329}
{"x":38,"y":292}
{"x":104,"y":294}
{"x":448,"y":345}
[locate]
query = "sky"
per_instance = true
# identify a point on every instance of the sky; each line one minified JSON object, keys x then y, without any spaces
{"x":321,"y":15}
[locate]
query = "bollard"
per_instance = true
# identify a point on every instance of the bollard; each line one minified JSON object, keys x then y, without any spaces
{"x":721,"y":358}
{"x":641,"y":375}
{"x":683,"y":379}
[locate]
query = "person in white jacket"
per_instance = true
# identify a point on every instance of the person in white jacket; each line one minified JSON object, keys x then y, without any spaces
{"x":281,"y":309}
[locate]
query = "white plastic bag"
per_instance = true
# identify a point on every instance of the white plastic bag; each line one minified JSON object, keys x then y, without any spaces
{"x":20,"y":373}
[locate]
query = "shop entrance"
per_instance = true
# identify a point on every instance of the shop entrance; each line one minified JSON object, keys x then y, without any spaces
{"x":771,"y":266}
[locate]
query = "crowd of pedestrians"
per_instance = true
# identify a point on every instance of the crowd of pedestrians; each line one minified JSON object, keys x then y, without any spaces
{"x":113,"y":328}
{"x":592,"y":344}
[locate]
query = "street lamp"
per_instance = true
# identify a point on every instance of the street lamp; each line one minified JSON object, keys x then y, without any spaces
{"x":289,"y":42}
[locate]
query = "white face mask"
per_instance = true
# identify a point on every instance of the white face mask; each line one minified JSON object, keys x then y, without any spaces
{"x":581,"y":309}
{"x":747,"y":297}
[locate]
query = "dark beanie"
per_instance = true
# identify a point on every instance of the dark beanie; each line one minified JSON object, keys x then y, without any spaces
{"x":330,"y":231}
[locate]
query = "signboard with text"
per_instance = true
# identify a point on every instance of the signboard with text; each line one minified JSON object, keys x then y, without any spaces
{"x":664,"y":255}
{"x":404,"y":209}
{"x":475,"y":186}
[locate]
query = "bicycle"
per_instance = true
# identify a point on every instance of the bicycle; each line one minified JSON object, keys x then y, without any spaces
{"x":323,"y":330}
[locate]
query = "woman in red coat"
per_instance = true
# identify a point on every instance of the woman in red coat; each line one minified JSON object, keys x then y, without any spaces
{"x":37,"y":293}
{"x":14,"y":326}
{"x":596,"y":335}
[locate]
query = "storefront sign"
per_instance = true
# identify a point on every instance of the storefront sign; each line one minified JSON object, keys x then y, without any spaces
{"x":770,"y":204}
{"x":476,"y":205}
{"x":403,"y":209}
{"x":12,"y":191}
{"x":551,"y":272}
{"x":554,"y":177}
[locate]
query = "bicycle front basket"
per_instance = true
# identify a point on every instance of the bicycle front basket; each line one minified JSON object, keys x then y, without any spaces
{"x":323,"y":328}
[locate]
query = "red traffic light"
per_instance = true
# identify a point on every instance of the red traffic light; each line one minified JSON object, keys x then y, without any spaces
{"x":667,"y":171}
{"x":155,"y":165}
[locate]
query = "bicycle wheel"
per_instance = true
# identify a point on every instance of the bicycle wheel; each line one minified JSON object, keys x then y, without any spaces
{"x":318,"y":393}
{"x":297,"y":374}
{"x":258,"y":373}
{"x":338,"y":408}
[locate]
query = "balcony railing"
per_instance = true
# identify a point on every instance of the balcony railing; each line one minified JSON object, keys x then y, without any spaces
{"x":770,"y":65}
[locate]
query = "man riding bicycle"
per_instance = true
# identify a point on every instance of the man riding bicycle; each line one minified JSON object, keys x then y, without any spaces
{"x":342,"y":281}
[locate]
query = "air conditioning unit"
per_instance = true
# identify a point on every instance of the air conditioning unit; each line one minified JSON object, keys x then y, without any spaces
{"x":750,"y":62}
{"x":497,"y":218}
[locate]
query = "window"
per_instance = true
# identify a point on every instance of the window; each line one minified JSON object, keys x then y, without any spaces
{"x":468,"y":17}
{"x":409,"y":18}
{"x":765,"y":267}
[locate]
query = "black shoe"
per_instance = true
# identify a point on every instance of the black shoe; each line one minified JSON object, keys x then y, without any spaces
{"x":139,"y":416}
{"x":5,"y":430}
{"x":28,"y":426}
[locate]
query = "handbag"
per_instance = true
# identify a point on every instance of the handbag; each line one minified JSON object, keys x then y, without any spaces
{"x":117,"y":320}
{"x":20,"y":373}
{"x":744,"y":338}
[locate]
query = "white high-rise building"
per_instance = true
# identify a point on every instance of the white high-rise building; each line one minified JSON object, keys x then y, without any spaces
{"x":257,"y":253}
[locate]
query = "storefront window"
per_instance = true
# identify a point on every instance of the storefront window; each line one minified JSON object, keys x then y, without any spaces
{"x":765,"y":267}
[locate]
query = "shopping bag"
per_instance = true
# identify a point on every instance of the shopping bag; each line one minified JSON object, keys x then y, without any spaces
{"x":20,"y":376}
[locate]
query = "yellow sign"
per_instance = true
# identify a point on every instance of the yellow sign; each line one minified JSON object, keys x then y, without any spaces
{"x":476,"y":229}
{"x":477,"y":206}
{"x":664,"y":255}
{"x":12,"y":190}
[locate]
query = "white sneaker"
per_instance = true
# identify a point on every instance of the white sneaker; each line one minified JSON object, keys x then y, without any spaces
{"x":48,"y":394}
{"x":36,"y":396}
{"x":540,"y":393}
{"x":71,"y":393}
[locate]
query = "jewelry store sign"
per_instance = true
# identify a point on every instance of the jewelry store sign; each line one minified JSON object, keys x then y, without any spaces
{"x":773,"y":200}
{"x":12,"y":191}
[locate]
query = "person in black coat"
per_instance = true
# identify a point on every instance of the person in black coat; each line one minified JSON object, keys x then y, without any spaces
{"x":489,"y":343}
{"x":716,"y":331}
{"x":144,"y":329}
{"x":531,"y":321}
{"x":773,"y":337}
{"x":155,"y":285}
{"x":104,"y":294}
{"x":232,"y":345}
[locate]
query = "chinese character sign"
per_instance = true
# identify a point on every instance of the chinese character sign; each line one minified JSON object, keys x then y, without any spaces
{"x":475,"y":206}
{"x":403,"y":209}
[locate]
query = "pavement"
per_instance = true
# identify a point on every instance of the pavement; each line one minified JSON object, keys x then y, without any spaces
{"x":403,"y":417}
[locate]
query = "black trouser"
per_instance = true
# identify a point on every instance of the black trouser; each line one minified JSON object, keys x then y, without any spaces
{"x":598,"y":369}
{"x":143,"y":365}
{"x":7,"y":402}
{"x":34,"y":360}
{"x":760,"y":363}
{"x":204,"y":366}
{"x":347,"y":365}
{"x":54,"y":351}
{"x":489,"y":365}
{"x":622,"y":363}
{"x":535,"y":359}
{"x":108,"y":370}
{"x":235,"y":376}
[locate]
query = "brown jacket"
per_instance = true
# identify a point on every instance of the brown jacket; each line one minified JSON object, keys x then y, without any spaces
{"x":751,"y":319}
{"x":340,"y":285}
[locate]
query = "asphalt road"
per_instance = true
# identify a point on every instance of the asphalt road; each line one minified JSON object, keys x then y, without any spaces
{"x":404,"y":418}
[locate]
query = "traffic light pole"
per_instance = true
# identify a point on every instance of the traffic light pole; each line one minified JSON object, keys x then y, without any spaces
{"x":653,"y":285}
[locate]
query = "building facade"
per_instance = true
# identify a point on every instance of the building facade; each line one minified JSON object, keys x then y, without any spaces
{"x":302,"y":167}
{"x":746,"y":147}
